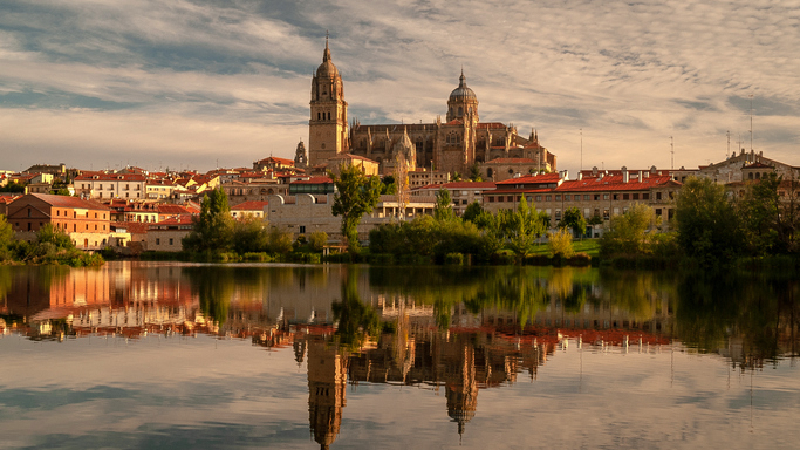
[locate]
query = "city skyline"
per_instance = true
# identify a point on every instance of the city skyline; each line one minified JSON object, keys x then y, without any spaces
{"x":200,"y":84}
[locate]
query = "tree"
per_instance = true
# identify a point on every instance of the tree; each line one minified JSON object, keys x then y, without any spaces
{"x":356,"y":195}
{"x":560,"y":243}
{"x":318,"y":240}
{"x":248,"y":235}
{"x":708,"y":228}
{"x":626,"y":233}
{"x":472,"y":212}
{"x":758,"y":211}
{"x":574,"y":220}
{"x":389,"y":185}
{"x":475,"y":173}
{"x":444,"y":205}
{"x":526,"y":224}
{"x":6,"y":239}
{"x":213,"y":227}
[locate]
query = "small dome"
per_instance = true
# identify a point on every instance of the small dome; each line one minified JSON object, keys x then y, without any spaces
{"x":327,"y":69}
{"x":462,"y":91}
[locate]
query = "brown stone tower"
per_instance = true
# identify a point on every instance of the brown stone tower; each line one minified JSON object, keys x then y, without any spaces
{"x":463,"y":103}
{"x":327,"y":391}
{"x":327,"y":130}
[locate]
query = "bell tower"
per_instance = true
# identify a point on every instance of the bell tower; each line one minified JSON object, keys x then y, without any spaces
{"x":327,"y":125}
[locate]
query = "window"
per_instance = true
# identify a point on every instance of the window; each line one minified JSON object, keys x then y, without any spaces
{"x":636,"y":196}
{"x":616,"y":196}
{"x":58,"y":213}
{"x":491,"y":199}
{"x":548,"y":198}
{"x":127,"y":187}
{"x":586,"y":197}
{"x":170,"y":241}
{"x":605,"y":196}
{"x":158,"y":241}
{"x":626,"y":196}
{"x":597,"y":196}
{"x":95,"y":227}
{"x":302,"y":228}
{"x":510,"y":199}
{"x":605,"y":214}
{"x":645,"y":196}
{"x":558,"y":198}
{"x":566,"y":198}
{"x":558,"y":214}
{"x":658,"y":195}
{"x":538,"y":198}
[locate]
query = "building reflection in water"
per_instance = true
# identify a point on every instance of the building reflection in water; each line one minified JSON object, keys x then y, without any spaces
{"x":480,"y":340}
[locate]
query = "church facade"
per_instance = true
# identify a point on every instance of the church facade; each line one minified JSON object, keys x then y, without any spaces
{"x":456,"y":143}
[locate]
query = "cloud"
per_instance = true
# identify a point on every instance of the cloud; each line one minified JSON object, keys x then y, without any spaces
{"x":627,"y":73}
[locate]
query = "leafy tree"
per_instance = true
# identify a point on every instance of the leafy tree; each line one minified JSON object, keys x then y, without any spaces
{"x":249,"y":235}
{"x":475,"y":173}
{"x":472,"y":212}
{"x":527,"y":224}
{"x":626,"y":233}
{"x":560,"y":243}
{"x":444,"y":205}
{"x":758,"y":211}
{"x":280,"y":241}
{"x":574,"y":220}
{"x":213,"y":227}
{"x":13,"y":187}
{"x":708,"y":228}
{"x":318,"y":240}
{"x":6,"y":239}
{"x":356,"y":195}
{"x":389,"y":185}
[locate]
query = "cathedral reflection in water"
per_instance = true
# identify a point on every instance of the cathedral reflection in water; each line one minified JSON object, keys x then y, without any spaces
{"x":458,"y":347}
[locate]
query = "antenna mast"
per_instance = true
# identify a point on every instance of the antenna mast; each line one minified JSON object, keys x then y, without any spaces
{"x":671,"y":155}
{"x":751,"y":123}
{"x":581,"y":149}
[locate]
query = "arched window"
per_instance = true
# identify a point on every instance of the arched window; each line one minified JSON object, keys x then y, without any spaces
{"x":758,"y":175}
{"x":319,"y":116}
{"x":489,"y":173}
{"x":460,"y":111}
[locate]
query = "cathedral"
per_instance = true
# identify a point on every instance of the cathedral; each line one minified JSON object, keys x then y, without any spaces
{"x":458,"y":143}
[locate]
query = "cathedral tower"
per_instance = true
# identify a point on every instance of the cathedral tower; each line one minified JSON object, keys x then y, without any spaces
{"x":463,"y":103}
{"x":327,"y":130}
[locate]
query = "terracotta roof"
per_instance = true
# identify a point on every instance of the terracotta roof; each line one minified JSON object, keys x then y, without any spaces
{"x":462,"y":185}
{"x":165,"y":208}
{"x":277,"y":160}
{"x":131,"y":227}
{"x":350,"y":156}
{"x":314,"y":180}
{"x":249,"y":206}
{"x":183,"y":220}
{"x":551,"y":177}
{"x":111,"y":177}
{"x":69,"y":202}
{"x":612,"y":183}
{"x":492,"y":125}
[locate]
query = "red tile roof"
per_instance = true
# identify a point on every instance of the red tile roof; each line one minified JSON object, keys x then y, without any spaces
{"x":275,"y":159}
{"x":551,"y":177}
{"x":461,"y":185}
{"x":612,"y":183}
{"x":249,"y":206}
{"x":69,"y":202}
{"x":314,"y":180}
{"x":111,"y":177}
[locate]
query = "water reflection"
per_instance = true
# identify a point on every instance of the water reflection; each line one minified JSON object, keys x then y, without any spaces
{"x":455,"y":331}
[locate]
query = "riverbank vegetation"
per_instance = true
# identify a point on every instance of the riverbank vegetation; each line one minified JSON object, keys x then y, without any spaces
{"x":51,"y":246}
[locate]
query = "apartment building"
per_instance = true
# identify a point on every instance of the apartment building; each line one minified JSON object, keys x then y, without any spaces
{"x":110,"y":185}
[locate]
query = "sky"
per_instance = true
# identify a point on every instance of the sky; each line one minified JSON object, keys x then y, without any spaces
{"x":222,"y":83}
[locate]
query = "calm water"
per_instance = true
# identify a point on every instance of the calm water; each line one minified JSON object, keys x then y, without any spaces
{"x":164,"y":355}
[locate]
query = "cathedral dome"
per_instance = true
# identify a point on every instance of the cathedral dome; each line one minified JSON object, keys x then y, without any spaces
{"x":462,"y":92}
{"x":327,"y":69}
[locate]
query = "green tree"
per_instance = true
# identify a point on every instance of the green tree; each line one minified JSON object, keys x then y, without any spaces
{"x":356,"y":195}
{"x":280,"y":241}
{"x":249,"y":235}
{"x":574,"y":220}
{"x":213,"y":228}
{"x":708,"y":228}
{"x":318,"y":240}
{"x":444,"y":206}
{"x":526,"y":224}
{"x":388,"y":185}
{"x":758,"y":212}
{"x":472,"y":212}
{"x":560,"y":243}
{"x":475,"y":173}
{"x":626,"y":233}
{"x":6,"y":239}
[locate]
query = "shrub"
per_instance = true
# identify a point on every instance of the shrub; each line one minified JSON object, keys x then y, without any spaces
{"x":318,"y":240}
{"x":560,"y":243}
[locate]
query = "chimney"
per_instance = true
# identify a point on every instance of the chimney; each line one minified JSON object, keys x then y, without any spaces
{"x":594,"y":171}
{"x":641,"y":175}
{"x":625,"y":175}
{"x":580,"y":175}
